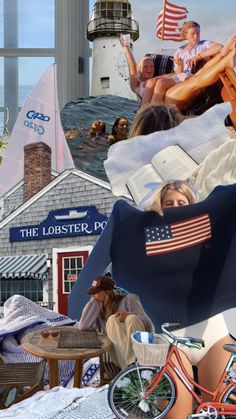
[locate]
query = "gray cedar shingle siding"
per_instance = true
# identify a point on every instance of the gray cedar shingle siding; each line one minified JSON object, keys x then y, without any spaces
{"x":71,"y":191}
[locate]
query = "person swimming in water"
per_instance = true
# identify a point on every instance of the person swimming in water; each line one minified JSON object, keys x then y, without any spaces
{"x":97,"y":129}
{"x":119,"y":130}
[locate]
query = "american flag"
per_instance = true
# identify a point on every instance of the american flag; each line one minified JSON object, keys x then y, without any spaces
{"x":167,"y":22}
{"x":171,"y":237}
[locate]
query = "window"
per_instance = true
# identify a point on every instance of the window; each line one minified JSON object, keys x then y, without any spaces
{"x":36,"y":24}
{"x":71,"y":269}
{"x":117,"y":10}
{"x":36,"y":66}
{"x":28,"y":47}
{"x":29,"y":288}
{"x":105,"y":82}
{"x":34,"y":34}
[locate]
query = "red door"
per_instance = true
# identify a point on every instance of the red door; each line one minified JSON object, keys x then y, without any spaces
{"x":69,"y":267}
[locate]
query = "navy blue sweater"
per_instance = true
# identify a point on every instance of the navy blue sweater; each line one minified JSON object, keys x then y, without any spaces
{"x":182,"y":265}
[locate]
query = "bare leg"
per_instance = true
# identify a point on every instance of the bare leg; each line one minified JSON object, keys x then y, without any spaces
{"x":160,"y":89}
{"x":184,"y":93}
{"x":155,"y":88}
{"x":148,"y":92}
{"x":211,"y":367}
{"x":230,"y":43}
{"x":210,"y":63}
{"x":184,"y":403}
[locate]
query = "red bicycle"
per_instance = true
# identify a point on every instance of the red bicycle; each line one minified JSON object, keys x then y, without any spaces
{"x":149,"y":392}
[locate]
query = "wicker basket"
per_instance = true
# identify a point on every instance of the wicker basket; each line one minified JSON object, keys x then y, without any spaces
{"x":153,"y":354}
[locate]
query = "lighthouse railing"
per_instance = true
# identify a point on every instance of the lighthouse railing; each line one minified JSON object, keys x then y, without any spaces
{"x":104,"y":26}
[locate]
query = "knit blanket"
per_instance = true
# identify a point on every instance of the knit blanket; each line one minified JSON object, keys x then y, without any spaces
{"x":61,"y":403}
{"x":219,"y":168}
{"x":22,"y":316}
{"x":198,"y":136}
{"x":19,"y":313}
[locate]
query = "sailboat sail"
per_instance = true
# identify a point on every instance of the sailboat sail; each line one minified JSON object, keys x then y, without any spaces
{"x":38,"y":121}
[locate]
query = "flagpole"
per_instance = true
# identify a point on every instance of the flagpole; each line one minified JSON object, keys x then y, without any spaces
{"x":163,"y":20}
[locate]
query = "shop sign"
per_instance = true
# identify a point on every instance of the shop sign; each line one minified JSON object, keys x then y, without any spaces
{"x":66,"y":222}
{"x":71,"y":277}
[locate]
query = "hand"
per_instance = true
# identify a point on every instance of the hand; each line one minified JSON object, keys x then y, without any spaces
{"x":125,"y":40}
{"x":193,"y":61}
{"x":178,"y":64}
{"x":122,"y":315}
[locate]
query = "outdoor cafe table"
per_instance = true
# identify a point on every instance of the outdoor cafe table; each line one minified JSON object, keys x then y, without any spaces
{"x":48,"y":349}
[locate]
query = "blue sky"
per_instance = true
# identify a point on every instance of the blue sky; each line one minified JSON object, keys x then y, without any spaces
{"x":216,"y":17}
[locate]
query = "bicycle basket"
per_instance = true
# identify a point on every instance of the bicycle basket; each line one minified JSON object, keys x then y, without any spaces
{"x":153,"y":354}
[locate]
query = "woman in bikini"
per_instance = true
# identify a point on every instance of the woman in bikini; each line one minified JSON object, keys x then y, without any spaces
{"x":166,"y":89}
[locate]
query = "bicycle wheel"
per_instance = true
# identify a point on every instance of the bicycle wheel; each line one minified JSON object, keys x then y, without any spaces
{"x":230,"y":398}
{"x":125,"y":394}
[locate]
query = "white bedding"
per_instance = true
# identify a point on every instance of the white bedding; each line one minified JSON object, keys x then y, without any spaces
{"x":218,"y":168}
{"x":61,"y":403}
{"x":198,"y":136}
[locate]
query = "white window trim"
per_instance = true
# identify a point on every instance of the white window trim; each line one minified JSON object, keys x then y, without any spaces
{"x":71,"y":18}
{"x":55,"y":253}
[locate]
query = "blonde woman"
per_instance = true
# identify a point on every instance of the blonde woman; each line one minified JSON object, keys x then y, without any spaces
{"x":185,"y":59}
{"x":171,"y":194}
{"x":142,"y":80}
{"x":140,"y":74}
{"x":152,"y":89}
{"x":117,"y":314}
{"x":183,"y":265}
{"x":213,"y":330}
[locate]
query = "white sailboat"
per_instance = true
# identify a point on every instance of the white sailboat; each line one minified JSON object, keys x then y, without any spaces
{"x":38,"y":121}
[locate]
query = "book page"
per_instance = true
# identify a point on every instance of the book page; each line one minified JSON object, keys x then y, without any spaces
{"x":137,"y":181}
{"x":174,"y":163}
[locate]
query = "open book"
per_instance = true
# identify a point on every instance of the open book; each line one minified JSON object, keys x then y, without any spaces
{"x":171,"y":163}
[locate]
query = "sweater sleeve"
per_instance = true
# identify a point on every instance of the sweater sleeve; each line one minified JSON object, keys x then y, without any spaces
{"x":89,"y":317}
{"x":96,"y":264}
{"x":132,"y":303}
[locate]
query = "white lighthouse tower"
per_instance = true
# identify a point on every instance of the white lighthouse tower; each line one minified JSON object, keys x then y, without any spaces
{"x":110,"y":74}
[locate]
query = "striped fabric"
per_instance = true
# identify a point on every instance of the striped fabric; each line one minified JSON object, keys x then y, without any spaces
{"x":94,"y":406}
{"x":24,"y":266}
{"x":22,"y":316}
{"x":167,"y":21}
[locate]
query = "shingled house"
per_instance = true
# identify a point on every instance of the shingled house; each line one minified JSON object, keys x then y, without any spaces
{"x":49,"y":226}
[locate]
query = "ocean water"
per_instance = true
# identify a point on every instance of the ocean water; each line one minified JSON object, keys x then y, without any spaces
{"x":89,"y":155}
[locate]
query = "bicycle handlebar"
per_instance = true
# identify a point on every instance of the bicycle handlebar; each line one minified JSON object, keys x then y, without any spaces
{"x":187,"y":341}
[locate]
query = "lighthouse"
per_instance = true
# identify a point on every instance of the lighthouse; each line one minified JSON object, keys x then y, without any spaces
{"x":110,"y":74}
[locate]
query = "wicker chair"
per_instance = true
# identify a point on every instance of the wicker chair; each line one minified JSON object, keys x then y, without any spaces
{"x":108,"y":370}
{"x":19,"y":381}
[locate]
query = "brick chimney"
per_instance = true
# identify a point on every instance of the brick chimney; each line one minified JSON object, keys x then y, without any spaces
{"x":37,"y":168}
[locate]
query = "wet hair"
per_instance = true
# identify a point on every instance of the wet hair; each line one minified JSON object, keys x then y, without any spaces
{"x":114,"y":129}
{"x":103,"y":126}
{"x":147,"y":57}
{"x":151,"y":118}
{"x":156,"y":201}
{"x":187,"y":25}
